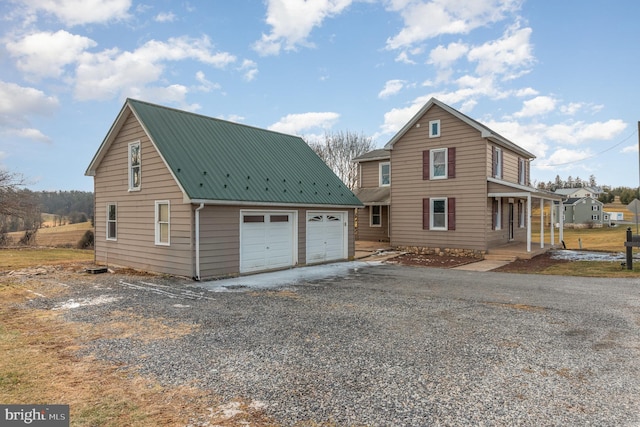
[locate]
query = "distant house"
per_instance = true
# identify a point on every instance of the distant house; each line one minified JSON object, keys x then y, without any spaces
{"x":573,"y":193}
{"x":190,"y":195}
{"x":447,"y":183}
{"x":582,"y":211}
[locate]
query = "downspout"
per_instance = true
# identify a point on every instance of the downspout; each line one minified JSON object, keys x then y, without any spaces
{"x":197,"y":277}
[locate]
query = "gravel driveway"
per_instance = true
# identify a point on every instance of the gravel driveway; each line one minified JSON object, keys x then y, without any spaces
{"x":381,"y":345}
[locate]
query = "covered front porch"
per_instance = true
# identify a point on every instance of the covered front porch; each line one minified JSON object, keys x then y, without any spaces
{"x":533,"y":198}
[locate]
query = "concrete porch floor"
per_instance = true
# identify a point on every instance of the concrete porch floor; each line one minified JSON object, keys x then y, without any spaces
{"x":516,"y":250}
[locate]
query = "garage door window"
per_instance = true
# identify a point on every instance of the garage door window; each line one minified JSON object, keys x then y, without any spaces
{"x":279,"y":218}
{"x":253,"y":218}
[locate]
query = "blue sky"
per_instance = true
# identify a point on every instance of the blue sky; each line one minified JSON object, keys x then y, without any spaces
{"x":558,"y":78}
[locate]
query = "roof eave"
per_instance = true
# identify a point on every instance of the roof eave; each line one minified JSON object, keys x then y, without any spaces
{"x":271,"y":204}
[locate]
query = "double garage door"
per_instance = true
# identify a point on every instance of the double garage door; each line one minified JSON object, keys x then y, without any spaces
{"x":269,"y":239}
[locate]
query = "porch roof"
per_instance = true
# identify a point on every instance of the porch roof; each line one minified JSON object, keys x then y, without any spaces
{"x":500,"y":188}
{"x":374,"y":196}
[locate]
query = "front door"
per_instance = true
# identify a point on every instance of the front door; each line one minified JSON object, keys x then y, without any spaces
{"x":511,"y":219}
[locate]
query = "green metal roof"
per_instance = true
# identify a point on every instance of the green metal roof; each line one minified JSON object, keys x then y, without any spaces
{"x":216,"y":160}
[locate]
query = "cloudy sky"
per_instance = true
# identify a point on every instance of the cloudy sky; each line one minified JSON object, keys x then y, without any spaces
{"x":559,"y":78}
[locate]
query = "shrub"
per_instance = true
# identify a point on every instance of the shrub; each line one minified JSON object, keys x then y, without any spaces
{"x":87,"y":240}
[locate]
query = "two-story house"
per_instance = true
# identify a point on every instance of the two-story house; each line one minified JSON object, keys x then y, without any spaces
{"x":448,"y":184}
{"x":582,"y":211}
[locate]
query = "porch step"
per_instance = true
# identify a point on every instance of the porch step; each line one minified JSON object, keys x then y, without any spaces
{"x":500,"y":257}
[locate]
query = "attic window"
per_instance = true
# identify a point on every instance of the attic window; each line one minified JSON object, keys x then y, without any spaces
{"x":134,"y":166}
{"x":434,"y":128}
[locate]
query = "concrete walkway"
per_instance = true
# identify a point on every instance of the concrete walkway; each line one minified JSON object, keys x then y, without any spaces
{"x":484,"y":265}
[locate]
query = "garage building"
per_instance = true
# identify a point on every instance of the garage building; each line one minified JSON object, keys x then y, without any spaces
{"x":190,"y":195}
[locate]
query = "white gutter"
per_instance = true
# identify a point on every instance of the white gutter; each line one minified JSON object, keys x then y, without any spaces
{"x":198,"y":241}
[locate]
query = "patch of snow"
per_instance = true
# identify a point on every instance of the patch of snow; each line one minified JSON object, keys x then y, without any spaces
{"x":284,"y":278}
{"x":72,"y":303}
{"x":588,"y":255}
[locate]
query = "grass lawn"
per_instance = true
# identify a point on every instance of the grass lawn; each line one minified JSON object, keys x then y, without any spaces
{"x":12,"y":259}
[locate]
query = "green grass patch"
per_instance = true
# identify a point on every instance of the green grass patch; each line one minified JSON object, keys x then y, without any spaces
{"x":593,"y":269}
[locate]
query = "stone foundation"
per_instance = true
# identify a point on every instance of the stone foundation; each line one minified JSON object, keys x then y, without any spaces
{"x":454,"y":252}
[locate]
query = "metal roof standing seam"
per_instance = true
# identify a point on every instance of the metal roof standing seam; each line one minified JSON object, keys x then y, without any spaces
{"x":218,"y":160}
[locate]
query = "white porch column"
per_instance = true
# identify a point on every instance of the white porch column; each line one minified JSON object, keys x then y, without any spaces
{"x":542,"y":223}
{"x":553,"y":238}
{"x":561,"y":215}
{"x":529,"y":222}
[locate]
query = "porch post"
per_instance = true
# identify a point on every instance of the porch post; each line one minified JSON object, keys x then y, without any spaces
{"x":553,"y":237}
{"x":561,"y":215}
{"x":529,"y":222}
{"x":541,"y":222}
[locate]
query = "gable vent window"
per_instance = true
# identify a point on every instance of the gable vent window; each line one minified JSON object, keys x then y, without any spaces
{"x":134,"y":166}
{"x":434,"y":128}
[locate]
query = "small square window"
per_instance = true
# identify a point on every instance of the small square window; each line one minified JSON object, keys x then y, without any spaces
{"x":434,"y":128}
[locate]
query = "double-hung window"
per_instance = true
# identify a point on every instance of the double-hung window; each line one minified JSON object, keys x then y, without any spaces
{"x":439,"y":213}
{"x":438,"y":162}
{"x":112,"y":217}
{"x":134,"y":166}
{"x":385,"y":174}
{"x":595,"y":207}
{"x":522,"y":171}
{"x":163,"y":224}
{"x":497,"y":162}
{"x":376,"y":216}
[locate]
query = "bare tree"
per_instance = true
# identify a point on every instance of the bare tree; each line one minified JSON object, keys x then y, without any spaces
{"x":338,"y":151}
{"x":17,"y":203}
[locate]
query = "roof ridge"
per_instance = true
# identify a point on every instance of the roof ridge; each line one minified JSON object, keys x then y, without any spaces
{"x":177,"y":110}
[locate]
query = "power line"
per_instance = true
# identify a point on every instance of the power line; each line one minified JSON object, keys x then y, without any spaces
{"x":595,"y":155}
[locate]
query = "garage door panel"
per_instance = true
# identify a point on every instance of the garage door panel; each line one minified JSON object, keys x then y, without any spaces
{"x":267,"y":243}
{"x":325,"y":237}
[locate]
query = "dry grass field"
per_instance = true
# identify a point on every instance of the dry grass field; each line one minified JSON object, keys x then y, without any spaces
{"x":62,"y":236}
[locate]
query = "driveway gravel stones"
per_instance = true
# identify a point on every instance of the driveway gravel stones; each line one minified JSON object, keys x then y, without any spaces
{"x":382,"y":345}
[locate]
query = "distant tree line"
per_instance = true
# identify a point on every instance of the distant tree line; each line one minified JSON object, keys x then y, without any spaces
{"x":607,"y":195}
{"x":67,"y":206}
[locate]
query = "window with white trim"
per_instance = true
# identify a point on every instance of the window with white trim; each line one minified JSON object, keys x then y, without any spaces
{"x":385,"y":174}
{"x":595,"y":217}
{"x":497,"y":163}
{"x":438,"y":214}
{"x":595,"y":207}
{"x":134,"y":166}
{"x":163,"y":223}
{"x":434,"y":128}
{"x":522,"y":218}
{"x":375,"y":219}
{"x":112,"y":221}
{"x":522,"y":179}
{"x":497,"y":213}
{"x":438,"y":160}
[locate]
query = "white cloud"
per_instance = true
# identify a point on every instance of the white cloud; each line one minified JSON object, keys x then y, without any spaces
{"x":564,"y":157}
{"x":80,"y":12}
{"x":165,"y":17}
{"x":427,"y":19}
{"x":630,"y":149}
{"x":443,"y":57}
{"x":292,"y":21}
{"x":250,"y":69}
{"x":45,"y":54}
{"x":205,"y":85}
{"x":296,"y":124}
{"x":17,"y":105}
{"x":173,"y":94}
{"x":510,"y":56}
{"x":391,"y":87}
{"x":110,"y":73}
{"x":536,"y":106}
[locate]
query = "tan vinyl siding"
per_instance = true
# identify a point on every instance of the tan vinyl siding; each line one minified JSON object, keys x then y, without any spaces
{"x":220,"y":237}
{"x":374,"y":234}
{"x":135,"y":246}
{"x":469,"y":187}
{"x":370,"y":174}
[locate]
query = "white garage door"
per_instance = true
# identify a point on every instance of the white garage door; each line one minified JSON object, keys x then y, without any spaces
{"x":266,"y":240}
{"x":326,"y":236}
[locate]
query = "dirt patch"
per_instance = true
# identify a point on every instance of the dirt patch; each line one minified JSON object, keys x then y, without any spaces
{"x":533,"y":265}
{"x":440,"y":261}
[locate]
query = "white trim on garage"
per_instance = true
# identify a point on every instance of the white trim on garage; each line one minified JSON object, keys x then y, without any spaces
{"x":326,"y":236}
{"x":268,"y":239}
